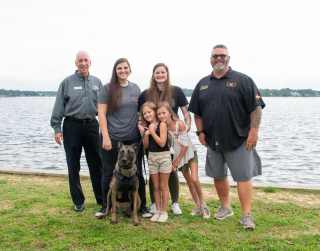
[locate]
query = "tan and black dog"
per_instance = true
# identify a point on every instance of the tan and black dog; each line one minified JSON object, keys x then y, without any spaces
{"x":123,"y":191}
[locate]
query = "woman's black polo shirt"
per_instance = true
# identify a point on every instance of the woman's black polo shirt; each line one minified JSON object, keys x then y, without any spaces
{"x":225,"y":105}
{"x":178,"y":99}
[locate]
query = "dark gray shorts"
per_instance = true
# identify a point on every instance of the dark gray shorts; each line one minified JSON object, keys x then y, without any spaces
{"x":243,"y":164}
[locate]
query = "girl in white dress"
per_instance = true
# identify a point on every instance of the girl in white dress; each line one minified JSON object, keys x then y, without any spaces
{"x":184,"y":153}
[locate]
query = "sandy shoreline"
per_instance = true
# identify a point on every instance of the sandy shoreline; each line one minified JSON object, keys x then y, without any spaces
{"x":208,"y":181}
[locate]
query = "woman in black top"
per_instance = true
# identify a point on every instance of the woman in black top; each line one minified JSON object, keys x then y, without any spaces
{"x":160,"y":89}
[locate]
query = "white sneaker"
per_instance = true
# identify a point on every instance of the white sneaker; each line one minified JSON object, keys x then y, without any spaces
{"x":163,"y":217}
{"x":175,"y":209}
{"x":155,"y":217}
{"x":153,"y":208}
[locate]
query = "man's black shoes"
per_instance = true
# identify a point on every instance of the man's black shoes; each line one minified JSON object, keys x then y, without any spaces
{"x":78,"y":208}
{"x":145,"y":212}
{"x":101,"y":212}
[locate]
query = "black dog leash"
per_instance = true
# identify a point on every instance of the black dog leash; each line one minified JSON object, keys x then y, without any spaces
{"x":137,"y":152}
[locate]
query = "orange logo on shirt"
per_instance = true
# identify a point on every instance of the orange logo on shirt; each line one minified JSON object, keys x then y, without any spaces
{"x":231,"y":84}
{"x":258,"y":97}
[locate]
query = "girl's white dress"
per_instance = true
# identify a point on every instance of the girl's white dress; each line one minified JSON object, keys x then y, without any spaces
{"x":176,"y":141}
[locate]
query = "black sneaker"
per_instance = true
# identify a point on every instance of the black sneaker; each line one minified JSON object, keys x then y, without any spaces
{"x":101,"y":212}
{"x":78,"y":208}
{"x":144,"y":212}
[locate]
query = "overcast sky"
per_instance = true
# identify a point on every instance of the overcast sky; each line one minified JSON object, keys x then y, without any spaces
{"x":277,"y":43}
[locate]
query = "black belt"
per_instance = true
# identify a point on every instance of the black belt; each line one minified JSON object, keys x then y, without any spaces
{"x":83,"y":121}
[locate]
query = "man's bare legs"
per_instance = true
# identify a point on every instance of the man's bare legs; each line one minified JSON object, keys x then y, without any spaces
{"x":244,"y":191}
{"x":245,"y":195}
{"x":223,"y":190}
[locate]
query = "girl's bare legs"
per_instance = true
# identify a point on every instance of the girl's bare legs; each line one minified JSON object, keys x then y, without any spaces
{"x":197,"y":186}
{"x":156,"y":190}
{"x":164,"y":177}
{"x":196,"y":182}
{"x":187,"y":176}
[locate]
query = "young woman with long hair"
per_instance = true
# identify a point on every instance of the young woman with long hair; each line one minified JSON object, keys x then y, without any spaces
{"x":118,"y":118}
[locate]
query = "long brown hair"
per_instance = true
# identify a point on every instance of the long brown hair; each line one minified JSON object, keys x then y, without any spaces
{"x":166,"y":105}
{"x":153,"y":93}
{"x":115,"y":91}
{"x":150,"y":105}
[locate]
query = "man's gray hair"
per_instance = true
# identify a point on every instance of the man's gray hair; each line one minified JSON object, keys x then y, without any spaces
{"x":81,"y":52}
{"x":221,"y":46}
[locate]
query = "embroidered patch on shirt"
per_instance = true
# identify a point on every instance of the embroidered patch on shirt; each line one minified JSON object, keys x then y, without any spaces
{"x":258,"y":97}
{"x":231,"y":84}
{"x":95,"y":88}
{"x":133,"y":97}
{"x":173,"y":103}
{"x":203,"y":87}
{"x":78,"y":87}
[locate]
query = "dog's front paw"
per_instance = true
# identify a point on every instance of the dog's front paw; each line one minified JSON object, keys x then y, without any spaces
{"x":114,"y":222}
{"x":136,"y":224}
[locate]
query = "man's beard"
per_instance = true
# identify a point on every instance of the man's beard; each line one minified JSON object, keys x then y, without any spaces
{"x":220,"y":68}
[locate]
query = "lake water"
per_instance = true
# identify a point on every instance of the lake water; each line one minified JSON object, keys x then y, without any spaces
{"x":289,"y":139}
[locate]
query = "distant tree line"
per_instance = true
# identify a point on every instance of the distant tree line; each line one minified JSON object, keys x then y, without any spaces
{"x":187,"y":92}
{"x":17,"y":93}
{"x":286,"y":92}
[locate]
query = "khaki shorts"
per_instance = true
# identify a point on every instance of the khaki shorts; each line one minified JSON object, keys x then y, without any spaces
{"x":243,"y":164}
{"x":159,"y":162}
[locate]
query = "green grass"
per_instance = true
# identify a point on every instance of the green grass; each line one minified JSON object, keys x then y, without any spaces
{"x":36,"y":213}
{"x":269,"y":190}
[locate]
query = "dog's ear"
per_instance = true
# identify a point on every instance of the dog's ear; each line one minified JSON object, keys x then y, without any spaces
{"x":135,"y":146}
{"x":119,"y":144}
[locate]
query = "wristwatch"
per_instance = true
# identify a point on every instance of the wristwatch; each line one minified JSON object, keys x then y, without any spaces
{"x":199,"y":132}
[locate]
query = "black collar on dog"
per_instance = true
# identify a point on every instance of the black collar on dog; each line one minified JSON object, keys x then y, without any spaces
{"x":140,"y":148}
{"x":124,"y":179}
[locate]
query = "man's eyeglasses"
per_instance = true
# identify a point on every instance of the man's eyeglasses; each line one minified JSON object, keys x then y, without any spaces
{"x":216,"y":56}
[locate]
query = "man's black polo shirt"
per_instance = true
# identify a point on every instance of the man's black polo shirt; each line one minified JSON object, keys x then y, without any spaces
{"x":225,"y":105}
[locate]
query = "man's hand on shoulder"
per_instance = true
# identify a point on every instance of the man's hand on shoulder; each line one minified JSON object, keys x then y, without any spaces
{"x":59,"y":138}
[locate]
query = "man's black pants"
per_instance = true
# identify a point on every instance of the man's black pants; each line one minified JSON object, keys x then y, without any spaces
{"x":77,"y":135}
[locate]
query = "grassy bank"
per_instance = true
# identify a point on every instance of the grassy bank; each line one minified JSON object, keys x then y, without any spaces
{"x":36,"y":212}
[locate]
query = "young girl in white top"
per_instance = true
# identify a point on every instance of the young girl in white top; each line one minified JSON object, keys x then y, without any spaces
{"x":184,"y":155}
{"x":159,"y":159}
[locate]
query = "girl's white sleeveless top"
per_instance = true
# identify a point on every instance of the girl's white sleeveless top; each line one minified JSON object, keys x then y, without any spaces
{"x":177,"y":140}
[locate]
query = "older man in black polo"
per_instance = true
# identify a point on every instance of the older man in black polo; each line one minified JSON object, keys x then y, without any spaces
{"x":76,"y":101}
{"x":227,"y":109}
